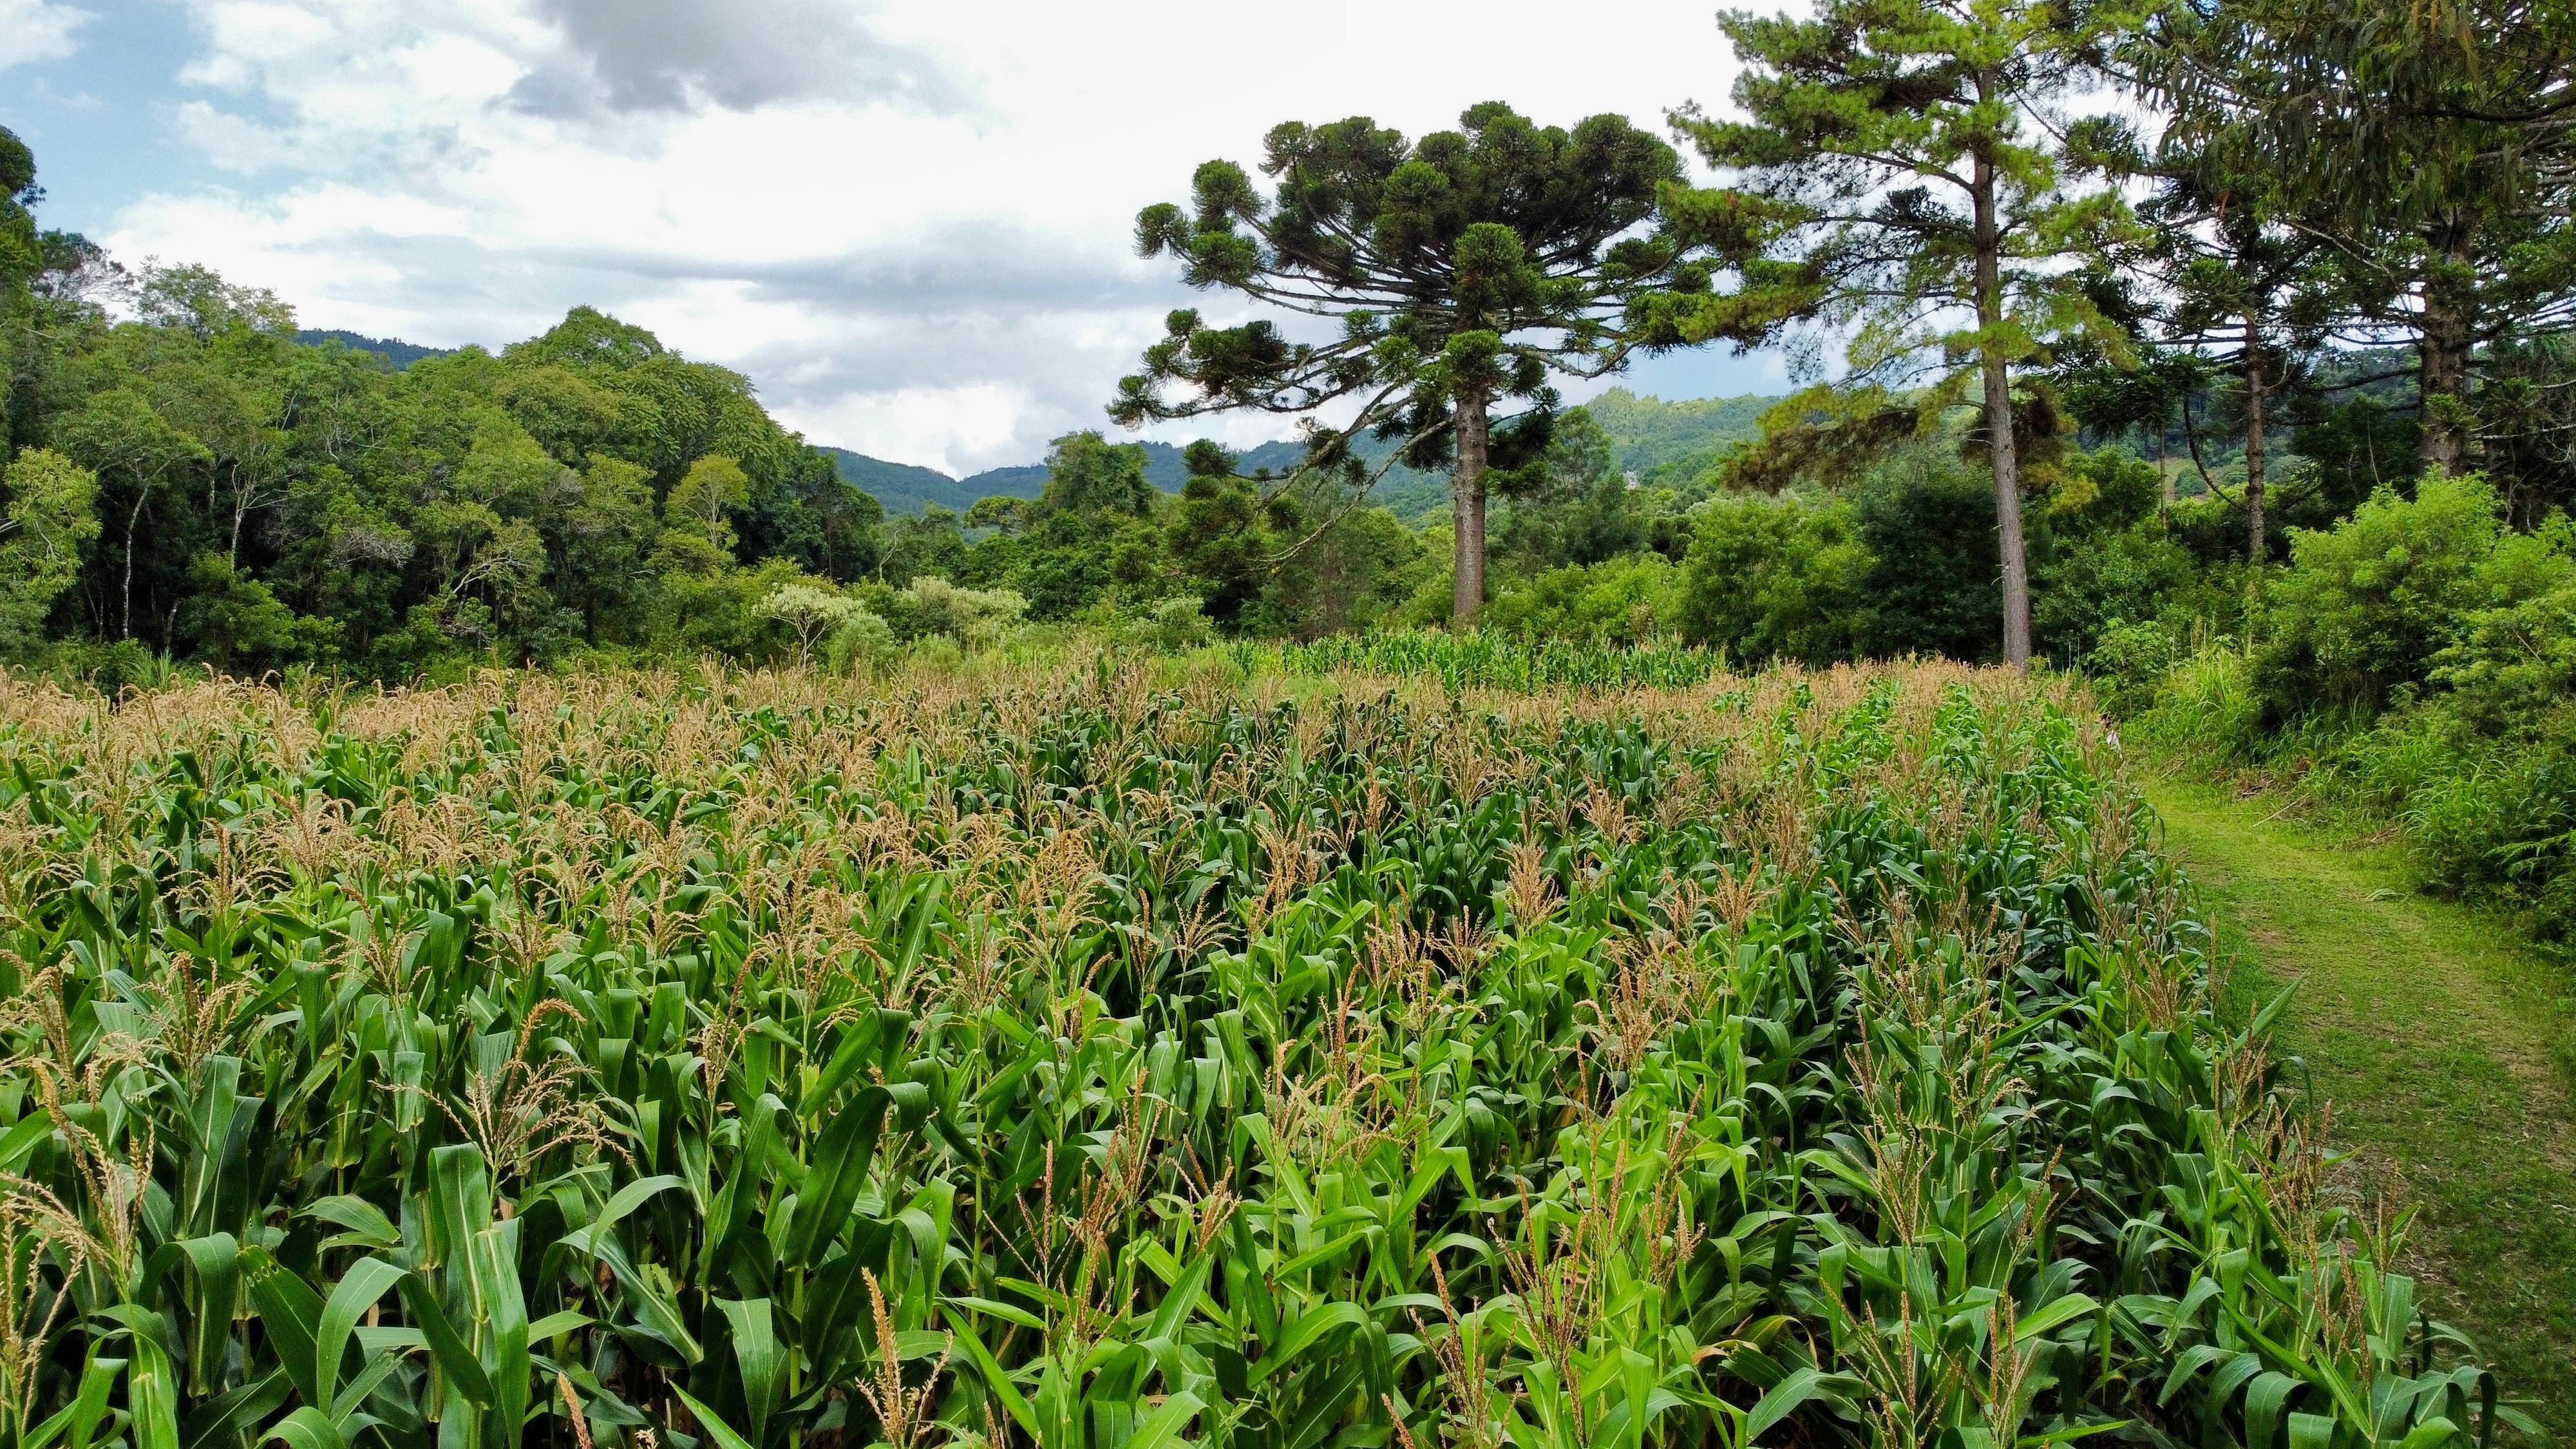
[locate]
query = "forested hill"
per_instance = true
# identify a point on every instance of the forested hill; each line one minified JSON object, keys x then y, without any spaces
{"x":1661,"y":442}
{"x":906,"y":488}
{"x":1672,"y":442}
{"x":392,"y":349}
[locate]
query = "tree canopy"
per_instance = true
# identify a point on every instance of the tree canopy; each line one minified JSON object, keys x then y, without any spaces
{"x":1896,"y":179}
{"x":1457,"y":272}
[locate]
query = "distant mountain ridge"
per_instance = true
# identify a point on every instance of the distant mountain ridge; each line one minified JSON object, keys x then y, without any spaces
{"x":1661,"y":442}
{"x":392,"y":349}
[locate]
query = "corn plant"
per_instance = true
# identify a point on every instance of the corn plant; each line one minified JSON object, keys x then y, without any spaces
{"x":1077,"y":1054}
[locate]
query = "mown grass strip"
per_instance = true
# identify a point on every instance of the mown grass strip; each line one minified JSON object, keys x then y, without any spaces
{"x":2439,"y":1044}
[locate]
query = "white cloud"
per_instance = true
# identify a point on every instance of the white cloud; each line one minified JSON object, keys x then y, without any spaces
{"x":34,"y":30}
{"x":909,"y":223}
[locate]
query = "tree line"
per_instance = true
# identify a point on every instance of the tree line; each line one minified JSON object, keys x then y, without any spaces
{"x":2278,"y":253}
{"x":2004,"y":228}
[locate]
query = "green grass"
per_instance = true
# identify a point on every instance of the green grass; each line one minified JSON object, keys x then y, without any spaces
{"x":2440,"y":1043}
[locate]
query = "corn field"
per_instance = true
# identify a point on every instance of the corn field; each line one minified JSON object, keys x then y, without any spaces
{"x":1144,"y":1055}
{"x":1487,"y":661}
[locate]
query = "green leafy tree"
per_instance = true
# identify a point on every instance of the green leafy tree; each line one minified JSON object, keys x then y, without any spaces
{"x":933,"y":605}
{"x":1001,"y":513}
{"x":933,"y":542}
{"x":1778,"y":578}
{"x":120,"y":435}
{"x":1218,"y":536}
{"x":1897,"y":177}
{"x":712,"y":488}
{"x":810,"y":611}
{"x":52,"y":520}
{"x":1571,"y":504}
{"x":1458,"y":272}
{"x":20,"y":256}
{"x":601,"y":538}
{"x":197,"y":300}
{"x":1087,"y":473}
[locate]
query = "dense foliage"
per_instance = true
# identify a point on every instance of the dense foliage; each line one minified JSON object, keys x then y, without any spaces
{"x":1059,"y":1057}
{"x":2417,"y":663}
{"x":212,"y":489}
{"x":194,"y":483}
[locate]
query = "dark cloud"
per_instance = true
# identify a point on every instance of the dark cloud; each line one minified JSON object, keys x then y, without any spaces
{"x":943,"y":271}
{"x":625,"y":56}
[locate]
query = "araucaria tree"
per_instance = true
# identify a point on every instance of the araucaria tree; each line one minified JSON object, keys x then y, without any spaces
{"x":2428,"y":144}
{"x":1459,"y":273}
{"x":1897,"y":182}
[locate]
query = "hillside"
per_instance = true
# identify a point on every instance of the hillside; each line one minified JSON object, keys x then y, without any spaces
{"x":1657,"y":440}
{"x":1669,"y":442}
{"x":905,"y":487}
{"x":392,"y":349}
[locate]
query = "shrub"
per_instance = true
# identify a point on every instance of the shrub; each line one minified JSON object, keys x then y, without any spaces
{"x":1170,"y":625}
{"x":2510,"y":669}
{"x":2497,"y":823}
{"x":2128,"y":661}
{"x":1777,"y":577}
{"x":2206,"y":704}
{"x":2366,"y":606}
{"x":864,"y":643}
{"x":2101,"y":581}
{"x":1625,"y":600}
{"x":933,"y":605}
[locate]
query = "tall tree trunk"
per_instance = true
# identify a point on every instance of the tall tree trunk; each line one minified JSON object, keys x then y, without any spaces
{"x":2164,"y":467}
{"x":1468,"y":515}
{"x":133,"y":520}
{"x":2443,"y":343}
{"x":2256,"y":549}
{"x":2000,"y":446}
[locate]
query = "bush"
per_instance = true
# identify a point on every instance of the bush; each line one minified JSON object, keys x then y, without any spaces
{"x":2497,"y":824}
{"x":2206,"y":704}
{"x":2420,"y":667}
{"x":1170,"y":625}
{"x":1625,"y":600}
{"x":2367,"y":605}
{"x":862,"y":644}
{"x":2510,"y":670}
{"x":933,"y":605}
{"x":1777,"y":577}
{"x":2103,"y":581}
{"x":2128,"y":662}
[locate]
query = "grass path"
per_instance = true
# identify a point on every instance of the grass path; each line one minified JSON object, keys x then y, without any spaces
{"x":2436,"y":1040}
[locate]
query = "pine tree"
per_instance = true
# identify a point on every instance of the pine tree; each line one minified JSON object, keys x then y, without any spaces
{"x":1897,"y":183}
{"x":1460,"y":271}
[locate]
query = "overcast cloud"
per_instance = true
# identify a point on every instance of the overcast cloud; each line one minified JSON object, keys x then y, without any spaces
{"x":908,"y":222}
{"x":37,"y":30}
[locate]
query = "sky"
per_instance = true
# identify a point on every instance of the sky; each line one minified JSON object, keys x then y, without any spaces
{"x":909,"y":223}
